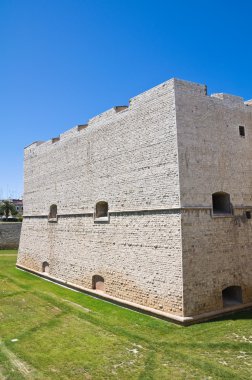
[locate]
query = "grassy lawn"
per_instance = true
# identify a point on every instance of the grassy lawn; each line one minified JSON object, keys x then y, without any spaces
{"x":4,"y":252}
{"x":49,"y":332}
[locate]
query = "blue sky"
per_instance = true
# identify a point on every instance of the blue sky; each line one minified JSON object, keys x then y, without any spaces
{"x":64,"y":61}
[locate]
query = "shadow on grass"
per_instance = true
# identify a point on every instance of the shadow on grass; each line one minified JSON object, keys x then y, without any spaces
{"x":232,"y":316}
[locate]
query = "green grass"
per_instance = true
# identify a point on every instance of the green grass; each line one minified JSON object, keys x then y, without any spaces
{"x":8,"y":252}
{"x":62,"y":334}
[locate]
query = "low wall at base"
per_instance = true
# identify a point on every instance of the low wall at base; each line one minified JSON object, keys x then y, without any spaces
{"x":10,"y":235}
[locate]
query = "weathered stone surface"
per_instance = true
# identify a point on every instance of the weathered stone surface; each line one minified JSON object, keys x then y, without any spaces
{"x":157,"y":164}
{"x":9,"y":235}
{"x":214,"y":157}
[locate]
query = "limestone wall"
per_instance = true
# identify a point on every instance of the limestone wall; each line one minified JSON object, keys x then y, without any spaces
{"x":138,"y":254}
{"x":9,"y":235}
{"x":216,"y":255}
{"x":212,"y":154}
{"x":129,"y":159}
{"x":214,"y":157}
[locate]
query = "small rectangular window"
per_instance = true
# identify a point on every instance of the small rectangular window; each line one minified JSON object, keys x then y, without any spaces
{"x":242,"y":131}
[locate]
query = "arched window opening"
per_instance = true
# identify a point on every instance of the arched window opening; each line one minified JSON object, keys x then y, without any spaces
{"x":98,"y":282}
{"x":221,"y":203}
{"x":101,"y":210}
{"x":232,"y":296}
{"x":45,"y":267}
{"x":53,"y":213}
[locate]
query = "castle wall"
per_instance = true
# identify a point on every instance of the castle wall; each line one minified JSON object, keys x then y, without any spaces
{"x":127,"y":158}
{"x":216,"y":255}
{"x":214,"y":157}
{"x":212,"y":154}
{"x":157,"y":164}
{"x":9,"y":235}
{"x":130,"y":160}
{"x":137,"y":254}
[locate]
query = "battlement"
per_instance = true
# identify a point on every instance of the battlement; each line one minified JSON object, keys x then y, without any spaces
{"x":179,"y":86}
{"x":232,"y":99}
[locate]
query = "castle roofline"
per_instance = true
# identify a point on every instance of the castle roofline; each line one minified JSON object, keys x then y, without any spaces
{"x":180,"y":85}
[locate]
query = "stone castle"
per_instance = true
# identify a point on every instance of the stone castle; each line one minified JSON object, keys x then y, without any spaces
{"x":148,"y":205}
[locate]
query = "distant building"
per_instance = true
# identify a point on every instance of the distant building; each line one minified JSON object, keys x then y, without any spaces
{"x":18,"y":203}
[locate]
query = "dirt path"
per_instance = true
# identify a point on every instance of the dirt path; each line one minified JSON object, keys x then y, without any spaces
{"x":2,"y":377}
{"x":8,"y":254}
{"x":26,"y":370}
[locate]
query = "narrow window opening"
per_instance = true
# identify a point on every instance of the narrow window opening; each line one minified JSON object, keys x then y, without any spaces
{"x":242,"y":131}
{"x":232,"y":296}
{"x":52,"y":217}
{"x":221,"y":203}
{"x":101,"y":210}
{"x":248,"y":214}
{"x":45,"y":267}
{"x":98,"y":283}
